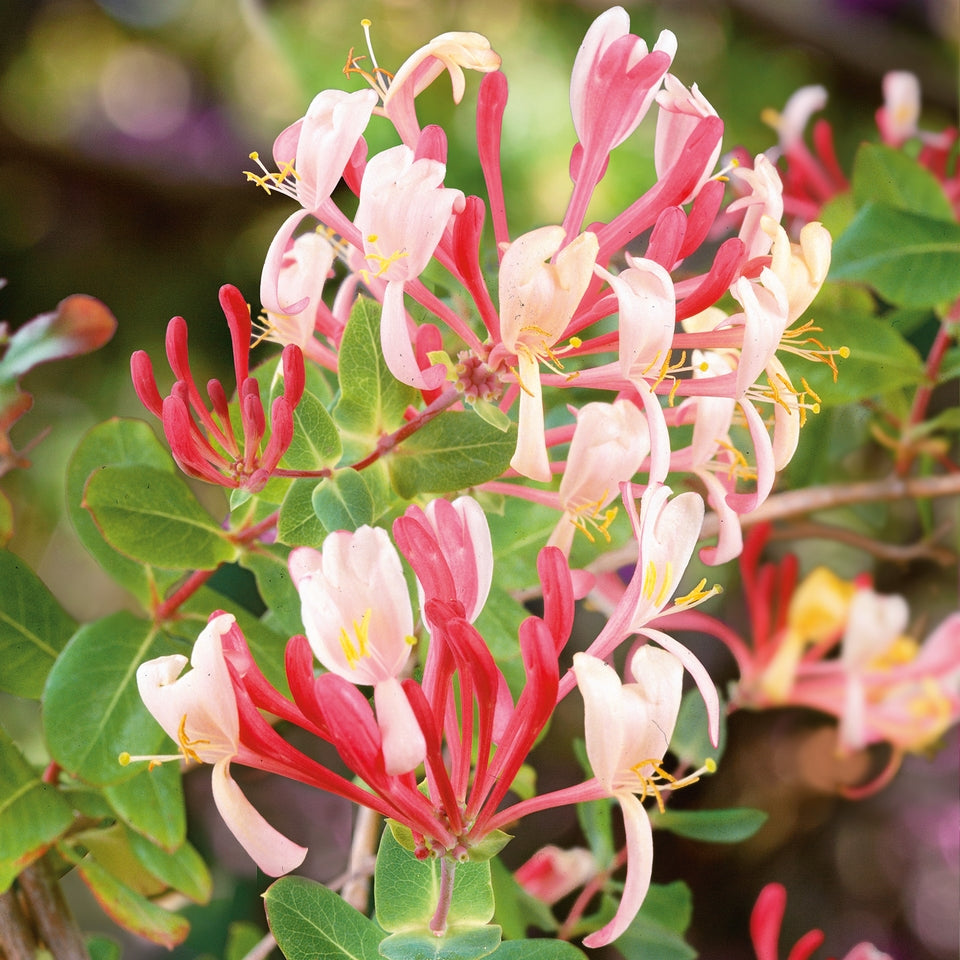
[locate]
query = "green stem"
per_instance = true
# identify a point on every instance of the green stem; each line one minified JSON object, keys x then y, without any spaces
{"x":438,"y":922}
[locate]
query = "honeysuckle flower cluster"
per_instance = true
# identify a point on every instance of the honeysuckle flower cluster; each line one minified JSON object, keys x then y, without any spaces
{"x":459,"y":723}
{"x":812,"y":177}
{"x":678,"y":353}
{"x":840,"y":647}
{"x":612,"y":307}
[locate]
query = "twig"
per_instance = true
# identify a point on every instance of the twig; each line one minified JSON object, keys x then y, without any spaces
{"x":52,"y":919}
{"x":263,"y":949}
{"x":16,"y":937}
{"x":355,"y":889}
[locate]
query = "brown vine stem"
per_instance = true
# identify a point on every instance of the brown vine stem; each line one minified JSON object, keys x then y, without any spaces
{"x":366,"y":835}
{"x":52,"y":920}
{"x":16,"y":935}
{"x":795,"y":503}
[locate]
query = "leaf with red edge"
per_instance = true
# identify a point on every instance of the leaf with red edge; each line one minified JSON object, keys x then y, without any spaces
{"x":79,"y":325}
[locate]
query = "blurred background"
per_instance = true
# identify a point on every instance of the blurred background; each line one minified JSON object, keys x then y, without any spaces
{"x":126,"y":127}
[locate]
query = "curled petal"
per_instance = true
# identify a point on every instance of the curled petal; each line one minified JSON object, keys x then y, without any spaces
{"x":404,"y":746}
{"x":639,"y":837}
{"x":272,"y":852}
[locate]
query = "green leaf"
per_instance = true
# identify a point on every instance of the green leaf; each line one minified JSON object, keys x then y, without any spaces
{"x":310,"y":922}
{"x":372,"y":401}
{"x":102,"y":948}
{"x":658,"y":929}
{"x":298,"y":525}
{"x":596,"y":821}
{"x":153,"y":517}
{"x":344,"y":501}
{"x":32,"y":813}
{"x":406,"y":890}
{"x":117,"y":443}
{"x":539,"y":950}
{"x":453,"y":451}
{"x":34,"y":628}
{"x":691,"y":738}
{"x":6,"y":519}
{"x":489,"y":846}
{"x":182,"y":870}
{"x":469,"y":943}
{"x":316,"y":440}
{"x":713,"y":826}
{"x":911,"y":260}
{"x":110,"y":847}
{"x":884,"y":175}
{"x":269,"y":565}
{"x":151,"y":803}
{"x":86,"y":734}
{"x":242,"y":937}
{"x":127,"y":908}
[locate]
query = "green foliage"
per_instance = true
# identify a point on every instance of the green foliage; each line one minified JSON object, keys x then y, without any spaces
{"x":537,"y":950}
{"x":32,"y":813}
{"x":34,"y":628}
{"x":884,"y":175}
{"x":87,"y":734}
{"x":298,"y":525}
{"x":910,"y":259}
{"x":316,"y":440}
{"x":453,"y":451}
{"x":153,"y":517}
{"x":128,"y":908}
{"x":516,"y":910}
{"x":658,"y":929}
{"x":691,"y":742}
{"x":372,"y":400}
{"x":310,"y":922}
{"x":343,"y":502}
{"x":117,"y":443}
{"x":713,"y":826}
{"x":151,"y":803}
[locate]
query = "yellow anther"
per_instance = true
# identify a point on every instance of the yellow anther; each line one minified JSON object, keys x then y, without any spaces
{"x":576,"y":342}
{"x":186,"y":744}
{"x":698,"y":594}
{"x":664,"y":594}
{"x":355,"y":653}
{"x":585,"y":515}
{"x":650,"y":784}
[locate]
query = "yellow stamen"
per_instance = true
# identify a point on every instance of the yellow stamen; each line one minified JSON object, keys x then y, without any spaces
{"x":698,"y":594}
{"x":361,"y":630}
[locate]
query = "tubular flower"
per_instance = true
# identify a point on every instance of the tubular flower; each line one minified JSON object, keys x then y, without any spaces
{"x":628,"y":729}
{"x":198,"y":710}
{"x":609,"y":444}
{"x":537,"y":301}
{"x":358,"y":619}
{"x":403,"y":212}
{"x":203,"y":442}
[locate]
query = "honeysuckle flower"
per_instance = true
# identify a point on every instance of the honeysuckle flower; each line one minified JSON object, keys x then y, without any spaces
{"x":552,"y":872}
{"x":198,"y":710}
{"x":311,"y":153}
{"x":291,"y":289}
{"x":537,"y":301}
{"x":448,"y":545}
{"x":897,"y":117}
{"x":357,"y":616}
{"x":612,"y":86}
{"x":801,"y":267}
{"x":451,"y":52}
{"x":203,"y":443}
{"x":610,"y":442}
{"x":628,"y":729}
{"x":765,"y":199}
{"x":403,"y":211}
{"x":791,"y":122}
{"x":681,"y":110}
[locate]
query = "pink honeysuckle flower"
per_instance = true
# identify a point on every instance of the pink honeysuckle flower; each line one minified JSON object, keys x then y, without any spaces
{"x":764,"y":318}
{"x":451,"y":52}
{"x":666,"y":530}
{"x":291,"y":288}
{"x":552,"y":872}
{"x":357,"y":616}
{"x":449,"y":547}
{"x":209,"y":449}
{"x":681,"y":111}
{"x":403,"y":211}
{"x":198,"y":710}
{"x":537,"y":301}
{"x":897,"y":118}
{"x":609,"y":444}
{"x":312,"y":153}
{"x":765,"y":199}
{"x":791,"y":122}
{"x":801,"y":267}
{"x":614,"y":81}
{"x":628,"y":729}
